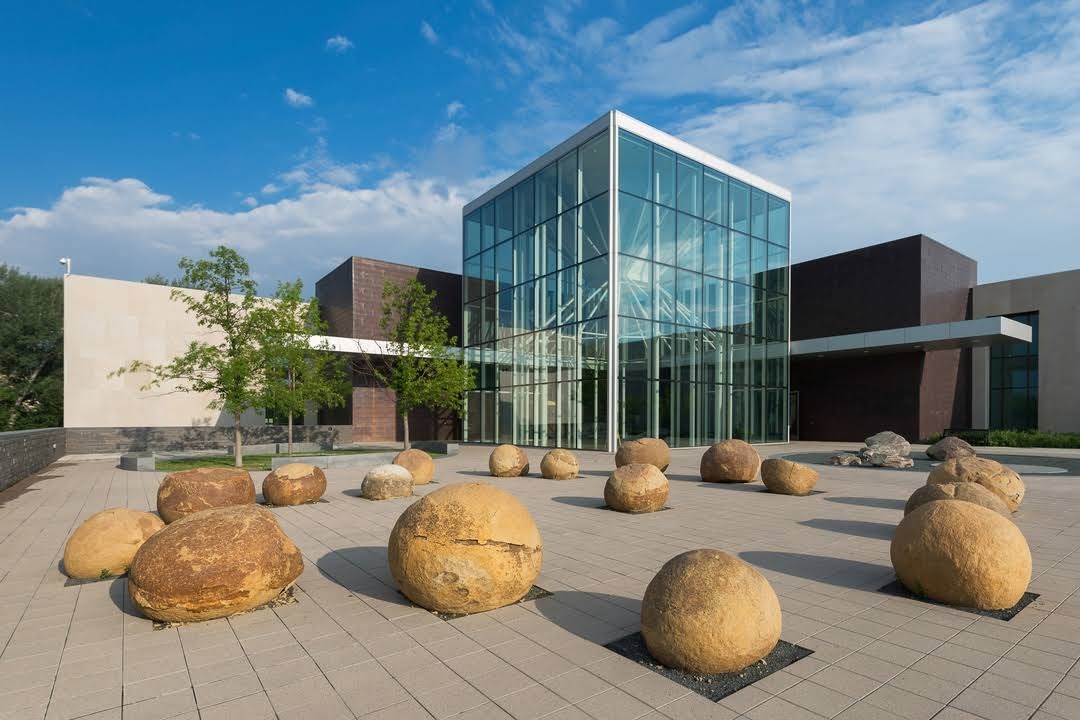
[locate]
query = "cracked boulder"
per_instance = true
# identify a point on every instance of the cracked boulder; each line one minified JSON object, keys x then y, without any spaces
{"x":465,"y":548}
{"x":991,"y":474}
{"x":785,"y":477}
{"x":967,"y":492}
{"x":508,"y":461}
{"x":636,"y":488}
{"x":105,"y":543}
{"x":559,"y":464}
{"x":189,"y":491}
{"x":419,"y":463}
{"x":294,"y":484}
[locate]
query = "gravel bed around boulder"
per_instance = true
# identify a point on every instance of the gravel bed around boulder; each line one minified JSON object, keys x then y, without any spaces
{"x":897,"y":588}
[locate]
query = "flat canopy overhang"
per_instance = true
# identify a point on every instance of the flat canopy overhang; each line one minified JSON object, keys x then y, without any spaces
{"x":920,"y":338}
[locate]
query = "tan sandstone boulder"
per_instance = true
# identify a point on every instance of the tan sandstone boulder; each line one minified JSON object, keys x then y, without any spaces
{"x":707,"y":612}
{"x":788,"y":478}
{"x":384,"y":482}
{"x":189,"y":491}
{"x":968,"y":492}
{"x":508,"y":461}
{"x":950,"y":447}
{"x":105,"y":543}
{"x":730,"y":461}
{"x":212,"y":564}
{"x":991,"y":474}
{"x":465,"y":548}
{"x":636,"y":488}
{"x":559,"y":464}
{"x":294,"y":484}
{"x":419,"y":463}
{"x":960,"y":553}
{"x":653,"y":451}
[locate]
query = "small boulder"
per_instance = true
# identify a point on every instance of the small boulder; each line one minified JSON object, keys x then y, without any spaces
{"x":559,"y":464}
{"x":465,"y":548}
{"x":212,"y":564}
{"x":385,"y":482}
{"x":788,"y":478}
{"x":636,"y":488}
{"x":950,"y":447}
{"x":508,"y":461}
{"x":962,"y":554}
{"x":709,"y":612}
{"x":189,"y":491}
{"x":105,"y":543}
{"x":730,"y":461}
{"x":967,"y":492}
{"x":417,"y":462}
{"x":991,"y":474}
{"x":294,"y":484}
{"x":845,"y":459}
{"x":653,"y":451}
{"x":887,"y":443}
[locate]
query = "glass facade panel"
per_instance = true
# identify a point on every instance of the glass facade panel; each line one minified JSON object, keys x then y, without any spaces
{"x":595,"y":168}
{"x":635,"y":165}
{"x":547,"y":193}
{"x":1014,"y":380}
{"x":688,"y":198}
{"x":635,"y":226}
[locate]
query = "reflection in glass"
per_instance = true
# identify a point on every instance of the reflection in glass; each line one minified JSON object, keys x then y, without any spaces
{"x":635,"y":288}
{"x":594,"y":227}
{"x":715,"y":197}
{"x":504,"y":216}
{"x":568,"y":185}
{"x":666,"y":251}
{"x":740,"y":206}
{"x":689,"y":187}
{"x":716,"y":250}
{"x":663,"y":176}
{"x":547,"y":193}
{"x":524,"y":207}
{"x":635,"y":165}
{"x":594,"y":288}
{"x":689,"y":241}
{"x":635,"y":226}
{"x":778,"y":221}
{"x":487,"y":215}
{"x":473,"y":233}
{"x":594,"y":166}
{"x":757,"y":213}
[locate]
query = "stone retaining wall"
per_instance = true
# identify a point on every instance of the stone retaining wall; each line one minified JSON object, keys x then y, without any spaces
{"x":24,"y":452}
{"x":177,"y":439}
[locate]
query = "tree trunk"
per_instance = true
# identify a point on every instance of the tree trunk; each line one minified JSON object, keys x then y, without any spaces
{"x":405,"y":424}
{"x":290,"y":432}
{"x":238,"y":451}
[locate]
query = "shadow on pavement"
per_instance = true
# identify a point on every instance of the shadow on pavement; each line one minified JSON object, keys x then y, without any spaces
{"x":860,"y":528}
{"x":831,"y":570}
{"x":885,"y":503}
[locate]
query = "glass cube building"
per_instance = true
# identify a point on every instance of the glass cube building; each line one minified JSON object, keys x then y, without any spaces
{"x":627,"y":284}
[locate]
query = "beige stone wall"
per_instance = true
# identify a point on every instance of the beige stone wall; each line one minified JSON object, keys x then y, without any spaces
{"x":107,"y":324}
{"x":1057,"y":298}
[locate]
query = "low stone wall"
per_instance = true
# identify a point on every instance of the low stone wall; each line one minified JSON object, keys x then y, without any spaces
{"x":24,"y":452}
{"x":179,"y":439}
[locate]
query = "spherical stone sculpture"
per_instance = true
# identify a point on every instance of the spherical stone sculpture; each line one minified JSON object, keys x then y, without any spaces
{"x":294,"y":484}
{"x":465,"y":548}
{"x":384,"y":482}
{"x":991,"y":474}
{"x":508,"y":461}
{"x":707,"y":612}
{"x":730,"y":461}
{"x":636,"y":488}
{"x":189,"y":491}
{"x":419,"y":463}
{"x":968,"y":492}
{"x":960,"y":553}
{"x":212,"y":564}
{"x":788,"y":478}
{"x":559,"y":464}
{"x":950,"y":447}
{"x":653,"y":451}
{"x":105,"y":543}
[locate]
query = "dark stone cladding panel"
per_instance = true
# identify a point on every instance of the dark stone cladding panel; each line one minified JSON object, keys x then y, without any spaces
{"x":128,"y":439}
{"x":369,"y":277}
{"x":334,"y":292}
{"x":25,"y":452}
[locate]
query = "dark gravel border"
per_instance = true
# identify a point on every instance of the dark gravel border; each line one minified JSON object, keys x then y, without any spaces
{"x":715,"y":686}
{"x":812,"y":492}
{"x":535,"y":593}
{"x":897,"y":588}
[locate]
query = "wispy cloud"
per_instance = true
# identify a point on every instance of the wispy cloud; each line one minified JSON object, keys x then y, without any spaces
{"x":454,"y":109}
{"x":338,"y":44}
{"x":428,"y":32}
{"x":297,"y":99}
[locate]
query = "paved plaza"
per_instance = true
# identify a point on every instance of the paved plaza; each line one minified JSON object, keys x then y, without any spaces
{"x":351,"y":646}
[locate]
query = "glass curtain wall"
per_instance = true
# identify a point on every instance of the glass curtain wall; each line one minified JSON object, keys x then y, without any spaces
{"x":702,"y":316}
{"x":536,"y":306}
{"x":1014,"y":380}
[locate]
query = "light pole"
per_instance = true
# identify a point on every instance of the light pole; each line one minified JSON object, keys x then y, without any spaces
{"x":66,"y":262}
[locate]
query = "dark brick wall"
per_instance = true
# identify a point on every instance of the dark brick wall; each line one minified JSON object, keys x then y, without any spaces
{"x":127,"y":439}
{"x":24,"y":452}
{"x":334,"y":292}
{"x":369,"y":277}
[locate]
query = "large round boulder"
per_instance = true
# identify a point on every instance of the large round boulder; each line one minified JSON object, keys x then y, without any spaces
{"x":105,"y":543}
{"x":465,"y":548}
{"x":212,"y":564}
{"x":508,"y":461}
{"x":189,"y":491}
{"x":730,"y":461}
{"x":653,"y":451}
{"x":419,"y":463}
{"x":950,"y":447}
{"x":636,"y":488}
{"x":709,"y":612}
{"x":991,"y":474}
{"x":559,"y":464}
{"x":967,"y":492}
{"x":384,"y":482}
{"x":294,"y":484}
{"x":963,"y":554}
{"x":785,"y":477}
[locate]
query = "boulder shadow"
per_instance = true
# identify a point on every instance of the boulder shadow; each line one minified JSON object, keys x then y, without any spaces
{"x":860,"y":528}
{"x":580,"y":501}
{"x":884,"y":503}
{"x":118,"y":593}
{"x":821,"y":568}
{"x":363,"y":572}
{"x":597,"y":617}
{"x":743,"y":487}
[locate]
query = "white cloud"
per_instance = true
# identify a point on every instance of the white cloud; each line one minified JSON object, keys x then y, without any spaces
{"x":338,"y":44}
{"x":297,"y":99}
{"x":428,"y":32}
{"x":270,"y":189}
{"x":250,"y":201}
{"x":454,"y":109}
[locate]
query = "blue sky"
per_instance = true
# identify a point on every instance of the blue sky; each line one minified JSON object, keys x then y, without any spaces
{"x":136,"y":133}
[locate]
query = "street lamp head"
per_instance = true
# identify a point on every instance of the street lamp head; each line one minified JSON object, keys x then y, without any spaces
{"x":66,"y":262}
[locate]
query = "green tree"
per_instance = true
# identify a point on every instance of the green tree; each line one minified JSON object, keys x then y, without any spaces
{"x":31,"y":350}
{"x":229,"y":366}
{"x":425,"y":369}
{"x":159,"y":279}
{"x":299,"y":373}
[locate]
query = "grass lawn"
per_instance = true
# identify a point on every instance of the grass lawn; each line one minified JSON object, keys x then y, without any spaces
{"x":251,"y":462}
